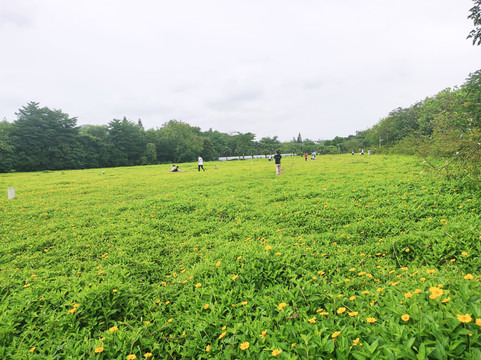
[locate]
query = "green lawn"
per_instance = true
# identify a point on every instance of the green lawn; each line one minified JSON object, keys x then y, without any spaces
{"x":344,"y":257}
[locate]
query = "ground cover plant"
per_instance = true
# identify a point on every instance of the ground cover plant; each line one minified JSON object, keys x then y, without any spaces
{"x":344,"y":257}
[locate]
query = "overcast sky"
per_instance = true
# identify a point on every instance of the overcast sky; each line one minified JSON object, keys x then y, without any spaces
{"x":322,"y":68}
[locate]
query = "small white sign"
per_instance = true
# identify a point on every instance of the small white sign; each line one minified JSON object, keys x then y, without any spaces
{"x":11,"y":193}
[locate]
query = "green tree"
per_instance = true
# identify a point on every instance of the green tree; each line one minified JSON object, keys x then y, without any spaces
{"x":7,"y":153}
{"x":475,"y":15}
{"x":179,"y":142}
{"x":46,"y":139}
{"x":128,"y":141}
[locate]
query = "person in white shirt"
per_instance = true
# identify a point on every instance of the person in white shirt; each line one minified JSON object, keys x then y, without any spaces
{"x":200,"y":163}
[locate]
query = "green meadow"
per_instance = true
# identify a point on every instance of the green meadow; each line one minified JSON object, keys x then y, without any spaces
{"x":344,"y":257}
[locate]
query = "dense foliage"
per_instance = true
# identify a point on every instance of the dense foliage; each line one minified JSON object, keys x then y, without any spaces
{"x":344,"y":257}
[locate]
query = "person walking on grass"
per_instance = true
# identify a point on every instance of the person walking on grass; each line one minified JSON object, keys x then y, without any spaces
{"x":277,"y":159}
{"x":200,"y":163}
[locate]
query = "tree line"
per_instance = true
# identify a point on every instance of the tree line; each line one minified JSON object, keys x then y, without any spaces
{"x":45,"y":139}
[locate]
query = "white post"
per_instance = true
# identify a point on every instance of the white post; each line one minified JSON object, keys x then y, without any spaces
{"x":11,"y":193}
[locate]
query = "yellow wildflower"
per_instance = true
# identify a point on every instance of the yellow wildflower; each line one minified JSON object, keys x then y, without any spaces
{"x":99,"y":349}
{"x":341,"y":310}
{"x":263,"y":334}
{"x":206,"y":306}
{"x":312,"y":320}
{"x":352,"y":313}
{"x":405,"y":317}
{"x":207,"y":348}
{"x":198,"y":285}
{"x":336,"y":334}
{"x":276,"y":352}
{"x":131,"y":357}
{"x":469,"y":277}
{"x":281,"y":306}
{"x":465,"y":318}
{"x":371,"y":320}
{"x":408,"y":295}
{"x":113,"y":328}
{"x":222,"y":335}
{"x":244,"y":346}
{"x":147,"y":355}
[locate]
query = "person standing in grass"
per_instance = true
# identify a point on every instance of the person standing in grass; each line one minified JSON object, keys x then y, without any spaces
{"x":200,"y":163}
{"x":277,"y":159}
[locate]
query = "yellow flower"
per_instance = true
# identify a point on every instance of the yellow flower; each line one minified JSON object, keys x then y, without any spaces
{"x":207,"y":348}
{"x":430,"y":271}
{"x":408,"y":295}
{"x":26,"y":285}
{"x":417,"y":291}
{"x":32,"y":349}
{"x":113,"y":328}
{"x":276,"y":352}
{"x":224,"y":327}
{"x":371,"y":320}
{"x":278,"y":254}
{"x":75,"y":305}
{"x":404,"y":268}
{"x":435,"y":292}
{"x":234,"y":277}
{"x":446,"y":300}
{"x":198,"y":285}
{"x":312,"y":320}
{"x":405,"y":317}
{"x":263,"y":334}
{"x":352,"y":298}
{"x":341,"y":310}
{"x":206,"y":306}
{"x":352,"y":313}
{"x":99,"y":349}
{"x":469,"y":277}
{"x":217,"y":263}
{"x":114,"y":290}
{"x":244,"y":303}
{"x":464,"y":253}
{"x":478,"y":322}
{"x":268,"y":247}
{"x":244,"y":346}
{"x":147,"y":355}
{"x":465,"y":318}
{"x":281,"y":306}
{"x":170,"y":320}
{"x":71,"y":311}
{"x":293,"y":345}
{"x":131,"y":357}
{"x":355,"y":342}
{"x":336,"y":334}
{"x":222,"y":335}
{"x":324,"y":313}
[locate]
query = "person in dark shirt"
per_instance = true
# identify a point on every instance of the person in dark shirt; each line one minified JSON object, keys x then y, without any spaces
{"x":277,"y":159}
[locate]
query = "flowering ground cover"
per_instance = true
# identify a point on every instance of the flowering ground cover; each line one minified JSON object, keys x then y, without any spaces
{"x":344,"y":257}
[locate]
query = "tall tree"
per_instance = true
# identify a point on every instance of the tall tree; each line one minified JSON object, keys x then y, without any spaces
{"x":128,"y":140}
{"x":46,"y":139}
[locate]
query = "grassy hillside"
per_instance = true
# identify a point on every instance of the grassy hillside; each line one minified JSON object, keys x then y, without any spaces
{"x":343,"y":257}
